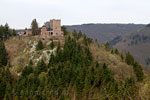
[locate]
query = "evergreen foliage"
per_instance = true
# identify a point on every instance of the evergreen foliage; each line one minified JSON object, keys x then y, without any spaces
{"x":52,"y":45}
{"x":71,"y":71}
{"x":27,"y":70}
{"x":107,"y":46}
{"x":64,"y":30}
{"x":86,"y":40}
{"x":136,"y":67}
{"x":129,"y":59}
{"x":14,"y":32}
{"x":39,"y":45}
{"x":116,"y":51}
{"x":41,"y":67}
{"x":122,"y":57}
{"x":52,"y":60}
{"x":6,"y":32}
{"x":34,"y":27}
{"x":138,"y":71}
{"x":3,"y":55}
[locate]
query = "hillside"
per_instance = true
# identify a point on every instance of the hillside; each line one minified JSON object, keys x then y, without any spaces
{"x":77,"y":68}
{"x":105,"y":32}
{"x":137,"y":43}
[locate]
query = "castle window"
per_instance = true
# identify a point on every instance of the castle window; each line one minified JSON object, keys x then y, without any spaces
{"x":51,"y":33}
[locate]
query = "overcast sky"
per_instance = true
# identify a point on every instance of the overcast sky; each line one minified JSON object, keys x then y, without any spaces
{"x":19,"y":13}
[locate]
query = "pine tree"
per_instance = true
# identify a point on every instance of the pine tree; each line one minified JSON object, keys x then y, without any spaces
{"x":52,"y":60}
{"x":138,"y":71}
{"x":107,"y":46}
{"x":130,"y":89}
{"x":52,"y":45}
{"x":122,"y":58}
{"x":31,"y":62}
{"x":74,"y":34}
{"x":3,"y":55}
{"x":64,"y":30}
{"x":39,"y":45}
{"x":27,"y":70}
{"x":41,"y":67}
{"x":97,"y":64}
{"x":79,"y":34}
{"x":116,"y":51}
{"x":2,"y":88}
{"x":112,"y":51}
{"x":129,"y":59}
{"x":14,"y":32}
{"x":104,"y":66}
{"x":6,"y":31}
{"x":88,"y":56}
{"x":34,"y":26}
{"x":1,"y":32}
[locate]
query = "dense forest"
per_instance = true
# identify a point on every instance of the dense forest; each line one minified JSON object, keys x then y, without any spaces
{"x":71,"y":74}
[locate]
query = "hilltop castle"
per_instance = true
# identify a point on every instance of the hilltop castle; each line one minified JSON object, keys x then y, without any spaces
{"x":51,"y":29}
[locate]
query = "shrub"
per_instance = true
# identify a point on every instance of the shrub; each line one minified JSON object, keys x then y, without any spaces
{"x":19,"y":68}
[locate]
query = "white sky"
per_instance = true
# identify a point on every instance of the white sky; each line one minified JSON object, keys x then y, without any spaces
{"x":20,"y":13}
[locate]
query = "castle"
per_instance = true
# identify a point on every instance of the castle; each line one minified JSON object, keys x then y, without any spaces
{"x":51,"y":29}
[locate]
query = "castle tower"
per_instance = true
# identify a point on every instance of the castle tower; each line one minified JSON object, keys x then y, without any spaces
{"x":56,"y":26}
{"x":52,"y":29}
{"x":44,"y":32}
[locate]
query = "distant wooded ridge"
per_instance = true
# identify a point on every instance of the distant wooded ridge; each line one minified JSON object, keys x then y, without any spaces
{"x":105,"y":32}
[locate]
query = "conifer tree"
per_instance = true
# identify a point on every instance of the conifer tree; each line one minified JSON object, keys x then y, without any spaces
{"x":52,"y":45}
{"x":27,"y":70}
{"x":138,"y":71}
{"x":14,"y":32}
{"x":122,"y":57}
{"x":64,"y":30}
{"x":1,"y":32}
{"x":116,"y":51}
{"x":34,"y":26}
{"x":39,"y":45}
{"x":107,"y":46}
{"x":6,"y":31}
{"x":112,"y":51}
{"x":79,"y":34}
{"x":74,"y":34}
{"x":129,"y":59}
{"x":41,"y":67}
{"x":2,"y":88}
{"x":3,"y":54}
{"x":52,"y":60}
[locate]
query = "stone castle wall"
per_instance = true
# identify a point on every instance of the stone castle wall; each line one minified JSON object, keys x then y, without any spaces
{"x":55,"y":29}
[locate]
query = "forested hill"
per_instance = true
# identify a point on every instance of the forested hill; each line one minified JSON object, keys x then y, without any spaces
{"x":77,"y":68}
{"x":137,"y":43}
{"x":105,"y":32}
